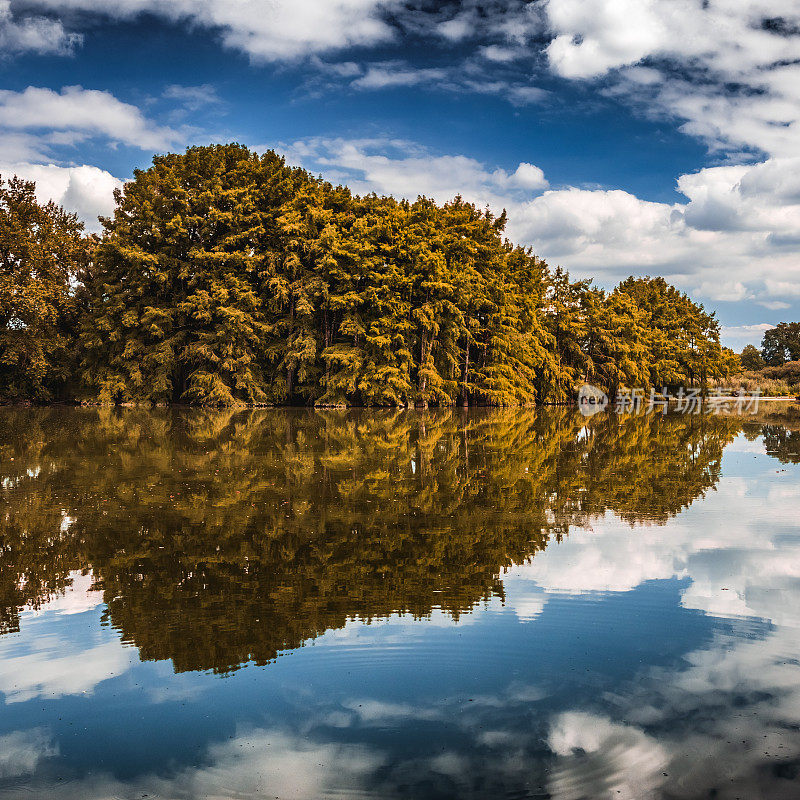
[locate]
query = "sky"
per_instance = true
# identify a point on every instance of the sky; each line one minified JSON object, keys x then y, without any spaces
{"x":644,"y":137}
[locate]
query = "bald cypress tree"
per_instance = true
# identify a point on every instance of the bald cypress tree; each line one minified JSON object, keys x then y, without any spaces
{"x":684,"y":339}
{"x":182,"y":279}
{"x":43,"y":254}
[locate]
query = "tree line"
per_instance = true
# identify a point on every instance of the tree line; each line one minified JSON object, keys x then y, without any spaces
{"x":779,"y":345}
{"x":226,"y":277}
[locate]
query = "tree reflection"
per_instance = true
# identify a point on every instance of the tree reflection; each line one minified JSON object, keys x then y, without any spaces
{"x":783,"y":444}
{"x":220,"y":539}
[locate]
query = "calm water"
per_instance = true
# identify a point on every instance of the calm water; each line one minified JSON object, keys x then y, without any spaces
{"x":398,"y":604}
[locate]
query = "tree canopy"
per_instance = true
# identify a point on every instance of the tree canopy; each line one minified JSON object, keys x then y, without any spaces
{"x":751,"y":358}
{"x":42,"y":254}
{"x":227,"y":277}
{"x":781,"y":344}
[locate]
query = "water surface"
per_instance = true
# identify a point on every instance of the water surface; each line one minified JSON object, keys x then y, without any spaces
{"x":440,"y":604}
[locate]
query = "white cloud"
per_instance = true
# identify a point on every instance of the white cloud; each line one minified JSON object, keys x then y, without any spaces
{"x":37,"y":122}
{"x":523,"y":95}
{"x":732,"y":79}
{"x":383,"y":76}
{"x":595,"y":36}
{"x":684,"y":726}
{"x":88,"y":191}
{"x":726,"y":724}
{"x":34,"y":34}
{"x":464,"y":78}
{"x":267,"y":31}
{"x":55,"y":671}
{"x":20,"y":147}
{"x":83,"y":113}
{"x":503,"y":55}
{"x":21,"y":752}
{"x":410,"y":171}
{"x":255,"y":762}
{"x":603,"y":759}
{"x":727,"y":243}
{"x":528,"y":176}
{"x":193,"y":98}
{"x":581,"y":564}
{"x":77,"y":598}
{"x":733,"y":570}
{"x":727,"y":68}
{"x":455,"y":29}
{"x":61,"y":660}
{"x":737,"y":336}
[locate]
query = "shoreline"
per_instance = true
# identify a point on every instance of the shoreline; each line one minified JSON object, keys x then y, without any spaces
{"x":251,"y":406}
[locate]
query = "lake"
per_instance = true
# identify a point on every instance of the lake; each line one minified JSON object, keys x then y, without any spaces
{"x":399,"y":604}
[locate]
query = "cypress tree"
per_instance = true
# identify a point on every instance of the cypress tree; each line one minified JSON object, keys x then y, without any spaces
{"x":43,"y":255}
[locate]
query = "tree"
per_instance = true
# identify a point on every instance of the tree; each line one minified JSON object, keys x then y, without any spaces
{"x":184,"y":278}
{"x":565,"y":320}
{"x":751,"y":358}
{"x":616,"y":342}
{"x":43,"y":252}
{"x":781,"y":344}
{"x":684,"y":338}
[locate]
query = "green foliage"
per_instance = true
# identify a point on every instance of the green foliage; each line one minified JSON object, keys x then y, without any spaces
{"x":751,"y":358}
{"x":781,"y":344}
{"x":42,"y":253}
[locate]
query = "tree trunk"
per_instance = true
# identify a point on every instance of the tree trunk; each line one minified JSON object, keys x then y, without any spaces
{"x":465,"y":376}
{"x":327,"y":345}
{"x":423,"y":357}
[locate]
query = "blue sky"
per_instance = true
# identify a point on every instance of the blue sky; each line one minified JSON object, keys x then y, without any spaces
{"x":623,"y":136}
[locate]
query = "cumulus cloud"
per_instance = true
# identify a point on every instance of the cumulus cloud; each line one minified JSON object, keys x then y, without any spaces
{"x":732,"y":571}
{"x":87,"y":191}
{"x":81,"y":113}
{"x":256,"y":761}
{"x":726,"y":725}
{"x":609,"y":234}
{"x":728,"y":68}
{"x":729,"y":242}
{"x":38,"y":123}
{"x":403,"y":169}
{"x":53,"y":660}
{"x":77,"y":598}
{"x":22,"y":751}
{"x":726,"y":721}
{"x":603,"y":759}
{"x":36,"y":34}
{"x":266,"y":31}
{"x":60,"y":669}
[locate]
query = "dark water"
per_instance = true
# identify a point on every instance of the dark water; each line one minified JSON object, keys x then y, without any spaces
{"x":398,"y":604}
